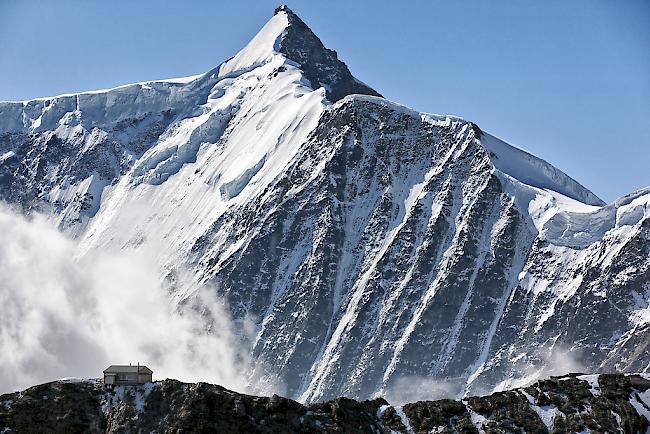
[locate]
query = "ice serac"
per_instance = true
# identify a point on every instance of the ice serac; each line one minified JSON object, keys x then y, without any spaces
{"x":371,"y":245}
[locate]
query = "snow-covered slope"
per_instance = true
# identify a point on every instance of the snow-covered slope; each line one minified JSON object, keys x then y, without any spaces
{"x":371,"y":244}
{"x":534,"y":171}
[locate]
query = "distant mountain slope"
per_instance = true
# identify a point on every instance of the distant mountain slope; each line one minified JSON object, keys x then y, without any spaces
{"x":369,"y":243}
{"x":588,"y":403}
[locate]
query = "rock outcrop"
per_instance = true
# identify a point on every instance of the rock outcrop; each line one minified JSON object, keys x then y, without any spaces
{"x":570,"y":404}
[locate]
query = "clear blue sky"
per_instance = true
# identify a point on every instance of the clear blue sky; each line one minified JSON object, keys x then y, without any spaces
{"x":566,"y":80}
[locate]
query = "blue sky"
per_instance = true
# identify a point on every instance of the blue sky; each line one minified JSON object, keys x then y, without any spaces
{"x":566,"y":80}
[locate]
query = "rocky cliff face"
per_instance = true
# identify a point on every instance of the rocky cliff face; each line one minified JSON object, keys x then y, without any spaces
{"x":570,"y":404}
{"x":370,"y":244}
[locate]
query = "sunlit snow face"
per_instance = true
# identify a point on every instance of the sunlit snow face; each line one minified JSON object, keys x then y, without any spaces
{"x":62,"y":317}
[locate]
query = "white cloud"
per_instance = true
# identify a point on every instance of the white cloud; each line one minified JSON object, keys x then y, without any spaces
{"x":62,"y":317}
{"x":560,"y":360}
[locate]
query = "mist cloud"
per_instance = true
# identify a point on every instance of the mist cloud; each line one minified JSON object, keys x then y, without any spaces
{"x":555,"y":361}
{"x":66,"y":317}
{"x":561,"y":361}
{"x":413,"y":388}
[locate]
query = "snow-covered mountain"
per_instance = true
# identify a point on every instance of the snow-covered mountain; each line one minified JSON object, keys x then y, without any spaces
{"x":370,"y":244}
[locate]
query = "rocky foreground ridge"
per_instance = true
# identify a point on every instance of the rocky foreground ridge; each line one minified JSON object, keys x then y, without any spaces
{"x":607,"y":403}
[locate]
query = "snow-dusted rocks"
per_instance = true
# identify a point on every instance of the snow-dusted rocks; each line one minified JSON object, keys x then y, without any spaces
{"x":371,"y":244}
{"x":568,"y":404}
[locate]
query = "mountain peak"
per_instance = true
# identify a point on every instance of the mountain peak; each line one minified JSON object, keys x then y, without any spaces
{"x":291,"y":16}
{"x":320,"y":65}
{"x":284,"y":8}
{"x":285,"y":33}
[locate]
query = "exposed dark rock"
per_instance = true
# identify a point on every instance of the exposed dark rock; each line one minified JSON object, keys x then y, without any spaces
{"x":321,"y":66}
{"x":171,"y":407}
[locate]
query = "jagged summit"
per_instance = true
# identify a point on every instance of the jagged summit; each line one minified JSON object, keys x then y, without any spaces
{"x":320,"y":65}
{"x":286,"y":34}
{"x":285,"y":8}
